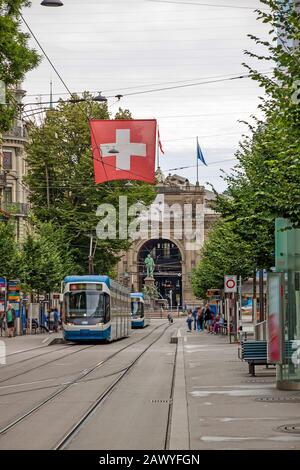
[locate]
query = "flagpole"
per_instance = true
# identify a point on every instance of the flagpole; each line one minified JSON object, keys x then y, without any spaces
{"x":157,"y":148}
{"x":197,"y":182}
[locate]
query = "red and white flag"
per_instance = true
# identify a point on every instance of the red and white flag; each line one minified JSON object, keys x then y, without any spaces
{"x":124,"y":149}
{"x":159,"y":142}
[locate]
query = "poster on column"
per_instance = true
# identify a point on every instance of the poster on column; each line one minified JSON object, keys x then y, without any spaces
{"x":14,"y":296}
{"x":2,"y":294}
{"x":275,"y":302}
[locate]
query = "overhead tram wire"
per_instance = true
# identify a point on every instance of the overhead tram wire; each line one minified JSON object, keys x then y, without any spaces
{"x":128,"y":94}
{"x":153,"y":90}
{"x":67,"y":88}
{"x":150,"y":84}
{"x":210,"y":5}
{"x":56,"y":71}
{"x":45,"y":54}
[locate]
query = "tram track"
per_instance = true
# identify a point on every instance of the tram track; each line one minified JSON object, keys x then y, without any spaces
{"x":168,"y":427}
{"x":44,"y":363}
{"x":68,"y":437}
{"x":5,"y":367}
{"x":79,"y":378}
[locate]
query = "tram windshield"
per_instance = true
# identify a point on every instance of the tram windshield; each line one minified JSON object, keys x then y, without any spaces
{"x":137,"y":309}
{"x":85,"y":304}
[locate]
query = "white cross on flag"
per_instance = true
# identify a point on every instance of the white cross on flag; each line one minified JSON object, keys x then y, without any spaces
{"x":124,"y":149}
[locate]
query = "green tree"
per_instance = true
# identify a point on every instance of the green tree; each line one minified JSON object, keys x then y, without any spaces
{"x":9,"y":251}
{"x":61,"y":180}
{"x":224,"y":252}
{"x":16,"y":58}
{"x":266,"y":182}
{"x":46,"y":259}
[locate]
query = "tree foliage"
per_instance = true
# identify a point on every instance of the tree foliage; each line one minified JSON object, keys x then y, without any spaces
{"x":16,"y":57}
{"x":61,"y":180}
{"x":9,"y":253}
{"x":46,"y":259}
{"x":224,"y":252}
{"x":265,"y":184}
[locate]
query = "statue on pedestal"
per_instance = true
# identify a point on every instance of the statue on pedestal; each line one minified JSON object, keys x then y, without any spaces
{"x":150,"y":265}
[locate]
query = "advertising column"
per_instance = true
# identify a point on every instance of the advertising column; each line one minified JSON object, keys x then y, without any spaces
{"x":14,"y":299}
{"x":2,"y":295}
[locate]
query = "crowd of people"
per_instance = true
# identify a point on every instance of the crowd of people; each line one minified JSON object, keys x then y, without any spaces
{"x":202,"y":318}
{"x":50,"y":322}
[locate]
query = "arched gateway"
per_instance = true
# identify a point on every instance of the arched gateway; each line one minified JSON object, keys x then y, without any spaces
{"x":174,"y":258}
{"x":168,"y":269}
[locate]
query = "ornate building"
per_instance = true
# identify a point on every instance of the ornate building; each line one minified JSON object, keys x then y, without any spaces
{"x":181,"y":207}
{"x":13,"y":192}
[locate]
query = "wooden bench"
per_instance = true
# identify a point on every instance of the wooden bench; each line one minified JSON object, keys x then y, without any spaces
{"x":255,"y":353}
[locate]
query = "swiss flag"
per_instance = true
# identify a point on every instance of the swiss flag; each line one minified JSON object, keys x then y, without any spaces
{"x":124,"y":150}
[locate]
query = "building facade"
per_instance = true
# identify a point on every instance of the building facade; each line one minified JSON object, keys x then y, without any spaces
{"x":183,"y":219}
{"x":13,"y":191}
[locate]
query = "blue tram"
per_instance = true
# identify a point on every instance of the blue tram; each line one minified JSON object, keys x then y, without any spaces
{"x":140,"y":307}
{"x":95,"y":308}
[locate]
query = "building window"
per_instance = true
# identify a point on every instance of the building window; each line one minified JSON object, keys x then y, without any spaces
{"x":8,"y":194}
{"x":166,"y":250}
{"x":7,"y":160}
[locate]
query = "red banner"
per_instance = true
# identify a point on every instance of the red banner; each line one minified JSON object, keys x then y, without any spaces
{"x":124,"y":149}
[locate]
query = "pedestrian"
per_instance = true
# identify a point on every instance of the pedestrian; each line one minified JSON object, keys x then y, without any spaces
{"x":55,"y":319}
{"x":10,"y":321}
{"x":208,"y":318}
{"x":217,"y":325}
{"x":199,"y":319}
{"x":189,"y":320}
{"x":170,"y":317}
{"x":2,"y":323}
{"x":195,"y":315}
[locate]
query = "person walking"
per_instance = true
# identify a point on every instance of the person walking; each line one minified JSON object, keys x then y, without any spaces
{"x":195,"y":315}
{"x":10,"y":321}
{"x":2,"y":323}
{"x":199,"y":319}
{"x":189,"y":320}
{"x":55,"y":319}
{"x":170,"y":317}
{"x":208,"y":318}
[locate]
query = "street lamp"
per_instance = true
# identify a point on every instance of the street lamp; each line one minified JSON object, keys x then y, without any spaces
{"x":52,"y":3}
{"x":100,"y":98}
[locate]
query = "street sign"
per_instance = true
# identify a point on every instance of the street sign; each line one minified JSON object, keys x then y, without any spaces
{"x":230,"y":284}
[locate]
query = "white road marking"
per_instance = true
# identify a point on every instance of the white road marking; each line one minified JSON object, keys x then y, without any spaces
{"x":30,"y":383}
{"x":230,"y":393}
{"x":250,"y":438}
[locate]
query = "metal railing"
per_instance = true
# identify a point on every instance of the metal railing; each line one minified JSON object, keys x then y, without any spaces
{"x":15,"y":208}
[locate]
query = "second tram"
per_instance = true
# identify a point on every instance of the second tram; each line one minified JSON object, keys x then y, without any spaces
{"x":140,"y":310}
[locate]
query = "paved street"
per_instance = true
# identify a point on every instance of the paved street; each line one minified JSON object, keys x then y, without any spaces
{"x":216,"y":404}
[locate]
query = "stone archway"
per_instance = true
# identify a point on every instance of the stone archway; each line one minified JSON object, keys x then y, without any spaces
{"x":168,"y":268}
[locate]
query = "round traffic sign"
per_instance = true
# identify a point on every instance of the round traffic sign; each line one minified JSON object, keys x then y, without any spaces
{"x":230,"y":283}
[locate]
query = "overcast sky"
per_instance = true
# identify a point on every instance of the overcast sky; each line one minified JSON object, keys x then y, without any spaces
{"x":125,"y":46}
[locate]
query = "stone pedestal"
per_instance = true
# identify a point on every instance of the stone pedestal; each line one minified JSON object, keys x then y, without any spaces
{"x":149,"y":281}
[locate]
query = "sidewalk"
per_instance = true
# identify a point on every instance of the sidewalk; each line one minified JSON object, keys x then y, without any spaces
{"x":229,"y":409}
{"x":26,"y":342}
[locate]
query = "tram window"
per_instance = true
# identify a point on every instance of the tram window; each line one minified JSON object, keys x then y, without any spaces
{"x":85,"y":304}
{"x":107,"y":308}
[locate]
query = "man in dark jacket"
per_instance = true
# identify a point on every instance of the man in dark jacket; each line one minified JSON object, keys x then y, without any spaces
{"x":10,"y":321}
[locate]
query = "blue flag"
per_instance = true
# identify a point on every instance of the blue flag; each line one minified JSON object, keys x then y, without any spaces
{"x":200,"y":154}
